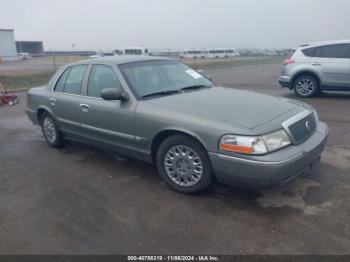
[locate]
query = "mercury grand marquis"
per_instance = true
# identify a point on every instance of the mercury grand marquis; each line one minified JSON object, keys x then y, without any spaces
{"x":161,"y":111}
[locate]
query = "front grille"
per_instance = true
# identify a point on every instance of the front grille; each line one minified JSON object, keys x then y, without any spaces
{"x":303,"y":129}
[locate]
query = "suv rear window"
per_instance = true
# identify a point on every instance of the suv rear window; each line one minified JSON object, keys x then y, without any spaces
{"x":291,"y":53}
{"x":310,"y":52}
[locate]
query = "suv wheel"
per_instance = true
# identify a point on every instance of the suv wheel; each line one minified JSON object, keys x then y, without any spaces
{"x":306,"y":86}
{"x":184,"y":164}
{"x":50,"y":131}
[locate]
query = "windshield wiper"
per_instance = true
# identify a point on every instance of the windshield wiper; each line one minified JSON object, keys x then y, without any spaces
{"x":169,"y":92}
{"x":192,"y":87}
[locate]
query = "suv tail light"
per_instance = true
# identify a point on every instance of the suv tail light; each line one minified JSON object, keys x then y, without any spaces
{"x":288,"y":61}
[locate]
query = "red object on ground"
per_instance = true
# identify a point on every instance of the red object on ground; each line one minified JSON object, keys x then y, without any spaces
{"x":6,"y":98}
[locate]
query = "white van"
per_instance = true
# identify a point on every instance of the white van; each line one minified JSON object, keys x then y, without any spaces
{"x":135,"y":51}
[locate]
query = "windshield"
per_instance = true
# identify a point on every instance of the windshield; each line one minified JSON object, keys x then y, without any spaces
{"x":160,"y":77}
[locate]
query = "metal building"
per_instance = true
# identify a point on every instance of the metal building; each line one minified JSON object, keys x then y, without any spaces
{"x":8,"y":51}
{"x":31,"y":47}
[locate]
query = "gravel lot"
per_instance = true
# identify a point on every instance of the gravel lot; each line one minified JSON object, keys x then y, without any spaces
{"x":80,"y":200}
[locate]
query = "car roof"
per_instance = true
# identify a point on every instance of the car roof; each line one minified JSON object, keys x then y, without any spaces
{"x":321,"y":43}
{"x":124,"y":59}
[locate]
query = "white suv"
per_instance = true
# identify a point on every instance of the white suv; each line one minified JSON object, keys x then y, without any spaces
{"x":317,"y":66}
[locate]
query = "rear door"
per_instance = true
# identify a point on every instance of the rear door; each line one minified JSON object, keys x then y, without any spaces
{"x":65,"y":99}
{"x":333,"y":64}
{"x":110,"y":122}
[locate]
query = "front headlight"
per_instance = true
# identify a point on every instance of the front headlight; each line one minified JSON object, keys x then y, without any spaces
{"x":255,"y":145}
{"x":276,"y":140}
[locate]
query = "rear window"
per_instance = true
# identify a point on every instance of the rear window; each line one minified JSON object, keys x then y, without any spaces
{"x":310,"y":52}
{"x":291,"y":53}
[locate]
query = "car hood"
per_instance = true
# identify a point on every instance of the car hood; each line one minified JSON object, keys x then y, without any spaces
{"x":242,"y":108}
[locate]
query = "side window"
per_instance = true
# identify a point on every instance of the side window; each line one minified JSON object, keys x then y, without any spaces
{"x":101,"y":77}
{"x":333,"y":51}
{"x":61,"y":81}
{"x":75,"y":79}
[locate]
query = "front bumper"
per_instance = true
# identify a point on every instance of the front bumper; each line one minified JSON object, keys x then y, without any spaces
{"x":275,"y":168}
{"x":285,"y":81}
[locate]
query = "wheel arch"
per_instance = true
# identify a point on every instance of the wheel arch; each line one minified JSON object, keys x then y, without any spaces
{"x":41,"y":110}
{"x":304,"y":73}
{"x":165,"y":133}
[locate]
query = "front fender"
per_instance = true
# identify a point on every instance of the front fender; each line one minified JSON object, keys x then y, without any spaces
{"x":307,"y":71}
{"x":180,"y":130}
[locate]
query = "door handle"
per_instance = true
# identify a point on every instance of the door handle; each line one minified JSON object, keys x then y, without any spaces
{"x":316,"y":64}
{"x":84,"y":107}
{"x":52,"y":101}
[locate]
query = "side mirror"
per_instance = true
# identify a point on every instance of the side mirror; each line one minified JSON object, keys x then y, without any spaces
{"x":114,"y":94}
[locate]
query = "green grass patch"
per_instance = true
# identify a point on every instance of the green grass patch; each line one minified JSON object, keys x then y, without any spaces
{"x":231,"y":62}
{"x":23,"y":81}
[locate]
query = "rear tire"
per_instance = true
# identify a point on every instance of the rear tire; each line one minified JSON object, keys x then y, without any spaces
{"x":184,"y":164}
{"x":306,"y":86}
{"x":51,"y":133}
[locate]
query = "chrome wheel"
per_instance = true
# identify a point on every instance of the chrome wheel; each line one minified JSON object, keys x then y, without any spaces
{"x":305,"y":86}
{"x":183,"y":165}
{"x":49,"y":130}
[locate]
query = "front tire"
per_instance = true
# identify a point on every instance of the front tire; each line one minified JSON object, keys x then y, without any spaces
{"x":51,"y":133}
{"x":306,"y":86}
{"x":184,"y":164}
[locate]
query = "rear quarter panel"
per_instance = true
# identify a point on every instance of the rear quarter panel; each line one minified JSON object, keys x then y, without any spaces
{"x":37,"y":98}
{"x":302,"y":63}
